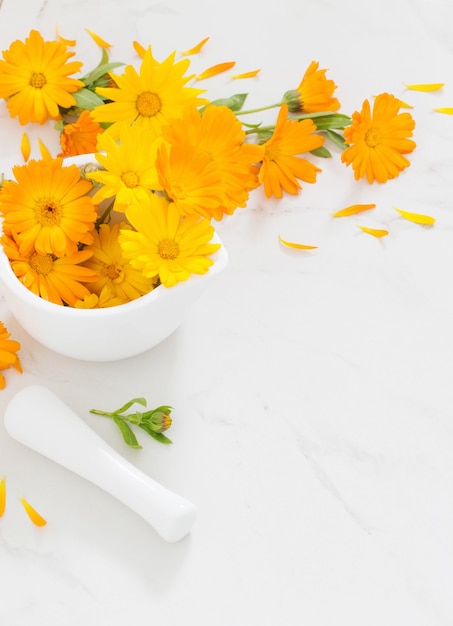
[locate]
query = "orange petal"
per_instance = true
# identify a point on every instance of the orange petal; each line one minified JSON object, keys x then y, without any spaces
{"x":196,"y":48}
{"x":68,"y":42}
{"x":425,"y":86}
{"x":100,"y":42}
{"x":45,"y":153}
{"x":247,"y":74}
{"x":376,"y":232}
{"x":139,"y":49}
{"x":417,"y":218}
{"x":33,"y":514}
{"x":353,"y":210}
{"x":2,"y":496}
{"x":216,"y":69}
{"x":25,"y":147}
{"x":297,"y":246}
{"x":446,"y":110}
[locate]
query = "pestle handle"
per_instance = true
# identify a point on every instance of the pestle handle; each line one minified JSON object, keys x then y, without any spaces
{"x":39,"y":419}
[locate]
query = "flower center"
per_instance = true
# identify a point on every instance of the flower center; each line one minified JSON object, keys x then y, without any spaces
{"x":168,"y":249}
{"x":48,"y":212}
{"x":41,"y":263}
{"x":37,"y":80}
{"x":148,"y":104}
{"x":373,"y":137}
{"x":112,"y":271}
{"x":130,"y":179}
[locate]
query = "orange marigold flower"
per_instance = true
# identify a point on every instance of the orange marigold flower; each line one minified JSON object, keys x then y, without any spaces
{"x":314,"y":93}
{"x":282,"y":167}
{"x":8,"y":353}
{"x":80,"y":137}
{"x":56,"y":280}
{"x":218,"y":134}
{"x":35,"y":79}
{"x":378,"y":139}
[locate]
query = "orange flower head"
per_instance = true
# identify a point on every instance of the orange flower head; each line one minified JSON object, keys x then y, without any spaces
{"x":35,"y":79}
{"x":8,"y":353}
{"x":314,"y":93}
{"x":282,"y":167}
{"x":81,"y":136}
{"x":378,"y":139}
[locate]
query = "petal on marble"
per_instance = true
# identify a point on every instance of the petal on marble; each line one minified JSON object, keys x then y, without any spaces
{"x":446,"y":110}
{"x":297,"y":246}
{"x":216,"y":69}
{"x":424,"y":86}
{"x":353,"y":209}
{"x":2,"y":496}
{"x":375,"y":232}
{"x":35,"y":517}
{"x":196,"y":48}
{"x":417,"y":218}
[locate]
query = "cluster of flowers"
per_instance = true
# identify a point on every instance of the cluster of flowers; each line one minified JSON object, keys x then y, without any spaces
{"x":168,"y":161}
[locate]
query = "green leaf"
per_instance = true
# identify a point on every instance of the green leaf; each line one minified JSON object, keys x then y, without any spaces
{"x":157,"y":436}
{"x":235,"y":103}
{"x":86,"y":99}
{"x":100,"y":71}
{"x":336,"y":138}
{"x":128,"y":405}
{"x":127,"y":433}
{"x":321,"y":152}
{"x":335,"y":120}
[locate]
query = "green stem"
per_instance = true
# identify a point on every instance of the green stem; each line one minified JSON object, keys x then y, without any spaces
{"x":259,"y":109}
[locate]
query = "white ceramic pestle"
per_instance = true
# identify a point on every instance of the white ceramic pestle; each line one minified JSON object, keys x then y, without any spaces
{"x":37,"y":418}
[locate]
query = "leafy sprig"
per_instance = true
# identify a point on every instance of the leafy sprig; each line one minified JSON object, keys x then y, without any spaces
{"x":154,"y":422}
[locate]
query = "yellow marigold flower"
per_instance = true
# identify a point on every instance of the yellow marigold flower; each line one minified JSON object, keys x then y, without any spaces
{"x":150,"y":97}
{"x":129,"y":172}
{"x":35,"y":79}
{"x":114,"y":271}
{"x":56,"y":280}
{"x":47,"y":208}
{"x":282,"y":167}
{"x":93,"y":301}
{"x":314,"y":93}
{"x":8,"y":353}
{"x":378,"y":139}
{"x":80,"y":137}
{"x":218,"y":133}
{"x":166,"y":244}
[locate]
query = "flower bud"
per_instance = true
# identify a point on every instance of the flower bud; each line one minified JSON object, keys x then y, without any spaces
{"x":294,"y":101}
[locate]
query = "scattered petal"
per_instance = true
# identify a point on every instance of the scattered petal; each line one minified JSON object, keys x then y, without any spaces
{"x":45,"y":153}
{"x":297,"y":246}
{"x":251,"y":74}
{"x":100,"y":42}
{"x":69,"y":42}
{"x":405,"y":105}
{"x":196,"y":48}
{"x":33,"y":514}
{"x":425,"y":86}
{"x":353,"y":210}
{"x":2,"y":496}
{"x":376,"y":232}
{"x":216,"y":69}
{"x":446,"y":110}
{"x":25,"y":147}
{"x":139,"y":49}
{"x":417,"y":218}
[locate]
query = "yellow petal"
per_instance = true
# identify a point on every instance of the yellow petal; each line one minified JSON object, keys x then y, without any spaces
{"x":139,"y":49}
{"x":25,"y":147}
{"x":68,"y":42}
{"x":247,"y":74}
{"x":45,"y":153}
{"x":100,"y":42}
{"x":196,"y":48}
{"x":376,"y":232}
{"x":2,"y":496}
{"x":446,"y":110}
{"x":297,"y":246}
{"x":33,"y":514}
{"x":353,"y":210}
{"x":425,"y":86}
{"x":216,"y":69}
{"x":417,"y":218}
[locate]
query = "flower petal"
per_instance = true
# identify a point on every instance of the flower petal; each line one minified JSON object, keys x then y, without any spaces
{"x":297,"y":246}
{"x":196,"y":48}
{"x":353,"y":209}
{"x":425,"y":86}
{"x":417,"y":218}
{"x":100,"y":42}
{"x":2,"y":496}
{"x":446,"y":110}
{"x":33,"y":514}
{"x":250,"y":74}
{"x":25,"y":147}
{"x":375,"y":232}
{"x":216,"y":69}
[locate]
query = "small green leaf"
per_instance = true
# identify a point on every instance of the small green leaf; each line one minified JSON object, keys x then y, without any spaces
{"x":336,"y":138}
{"x":126,"y":432}
{"x":321,"y":152}
{"x":235,"y":103}
{"x":128,"y":405}
{"x":335,"y":120}
{"x":86,"y":99}
{"x":157,"y":436}
{"x":100,"y":71}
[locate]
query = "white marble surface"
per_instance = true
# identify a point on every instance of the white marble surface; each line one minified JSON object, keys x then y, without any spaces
{"x":313,"y":421}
